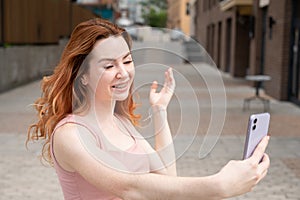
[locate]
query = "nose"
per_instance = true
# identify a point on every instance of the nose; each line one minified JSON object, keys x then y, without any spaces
{"x":122,"y":72}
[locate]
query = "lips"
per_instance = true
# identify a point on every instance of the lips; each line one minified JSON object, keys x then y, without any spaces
{"x":120,"y":85}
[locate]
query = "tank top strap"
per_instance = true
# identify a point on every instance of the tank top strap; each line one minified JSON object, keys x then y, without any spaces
{"x":126,"y":124}
{"x":77,"y":120}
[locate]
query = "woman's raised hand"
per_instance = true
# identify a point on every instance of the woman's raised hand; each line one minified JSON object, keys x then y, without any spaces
{"x":163,"y":97}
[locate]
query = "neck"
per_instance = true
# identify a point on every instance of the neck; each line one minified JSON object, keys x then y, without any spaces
{"x":102,"y":111}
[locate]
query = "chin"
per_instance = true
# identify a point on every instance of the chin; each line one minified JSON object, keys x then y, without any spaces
{"x":120,"y":97}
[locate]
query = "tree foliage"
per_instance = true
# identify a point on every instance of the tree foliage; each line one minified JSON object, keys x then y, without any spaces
{"x":155,"y":12}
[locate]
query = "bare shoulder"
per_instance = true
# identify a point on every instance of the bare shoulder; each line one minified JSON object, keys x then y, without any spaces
{"x":76,"y":150}
{"x":67,"y":129}
{"x":68,"y":144}
{"x":71,"y":133}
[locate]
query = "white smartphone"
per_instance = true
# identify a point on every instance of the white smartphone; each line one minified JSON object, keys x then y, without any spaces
{"x":258,"y":126}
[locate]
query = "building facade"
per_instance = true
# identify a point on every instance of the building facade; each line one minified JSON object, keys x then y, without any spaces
{"x":249,"y":37}
{"x":33,"y":34}
{"x":178,"y":15}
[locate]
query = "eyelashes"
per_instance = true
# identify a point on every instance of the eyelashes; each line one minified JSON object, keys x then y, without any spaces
{"x":108,"y":67}
{"x":125,"y":63}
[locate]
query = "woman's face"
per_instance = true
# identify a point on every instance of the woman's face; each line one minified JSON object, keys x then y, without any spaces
{"x":111,"y":69}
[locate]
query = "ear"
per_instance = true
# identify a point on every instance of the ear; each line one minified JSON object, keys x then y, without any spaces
{"x":84,"y":80}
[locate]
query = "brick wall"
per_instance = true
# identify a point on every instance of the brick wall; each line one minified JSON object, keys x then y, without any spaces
{"x":244,"y":55}
{"x":228,"y":47}
{"x":276,"y":57}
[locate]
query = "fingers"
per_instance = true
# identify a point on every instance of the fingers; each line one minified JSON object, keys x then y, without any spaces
{"x":264,"y":165}
{"x":169,"y":84}
{"x":153,"y":87}
{"x":264,"y":173}
{"x":262,"y":168}
{"x":260,"y":150}
{"x":265,"y":161}
{"x":169,"y":80}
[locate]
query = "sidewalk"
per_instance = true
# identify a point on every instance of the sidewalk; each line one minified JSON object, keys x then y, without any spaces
{"x":23,"y":177}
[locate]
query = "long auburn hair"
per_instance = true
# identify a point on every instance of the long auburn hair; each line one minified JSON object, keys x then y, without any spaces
{"x":62,"y":93}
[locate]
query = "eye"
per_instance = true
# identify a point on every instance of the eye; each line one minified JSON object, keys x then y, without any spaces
{"x":108,"y":66}
{"x":127,"y":62}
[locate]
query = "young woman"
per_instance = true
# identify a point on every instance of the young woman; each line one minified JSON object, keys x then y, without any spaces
{"x":86,"y":119}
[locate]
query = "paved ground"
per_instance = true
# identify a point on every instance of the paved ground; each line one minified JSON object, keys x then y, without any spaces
{"x":23,"y":176}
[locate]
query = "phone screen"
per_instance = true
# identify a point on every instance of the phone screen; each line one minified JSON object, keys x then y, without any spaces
{"x":258,"y":126}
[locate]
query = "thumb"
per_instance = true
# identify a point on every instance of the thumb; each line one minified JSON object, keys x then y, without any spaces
{"x":153,"y":87}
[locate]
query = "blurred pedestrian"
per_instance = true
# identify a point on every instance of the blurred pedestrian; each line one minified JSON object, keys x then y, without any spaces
{"x":87,"y":120}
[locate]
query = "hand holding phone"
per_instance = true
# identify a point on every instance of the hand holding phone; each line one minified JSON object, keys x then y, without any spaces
{"x":258,"y":126}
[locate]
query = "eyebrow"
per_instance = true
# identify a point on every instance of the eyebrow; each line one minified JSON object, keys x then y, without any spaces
{"x":112,"y":59}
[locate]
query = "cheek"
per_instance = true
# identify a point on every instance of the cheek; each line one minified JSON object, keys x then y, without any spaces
{"x":98,"y":80}
{"x":131,"y":72}
{"x":105,"y":80}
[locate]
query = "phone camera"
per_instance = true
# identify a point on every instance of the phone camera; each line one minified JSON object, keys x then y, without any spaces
{"x":253,"y":127}
{"x":255,"y":120}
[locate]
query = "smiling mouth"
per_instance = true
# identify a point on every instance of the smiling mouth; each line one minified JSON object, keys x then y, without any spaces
{"x":120,"y":86}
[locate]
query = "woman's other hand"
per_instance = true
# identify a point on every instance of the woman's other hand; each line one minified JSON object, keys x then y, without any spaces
{"x":163,"y":97}
{"x":239,"y":177}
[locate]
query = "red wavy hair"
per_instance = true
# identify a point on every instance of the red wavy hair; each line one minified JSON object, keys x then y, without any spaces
{"x":61,"y":92}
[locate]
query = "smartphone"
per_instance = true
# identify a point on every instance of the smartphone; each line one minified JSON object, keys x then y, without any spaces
{"x":258,"y":126}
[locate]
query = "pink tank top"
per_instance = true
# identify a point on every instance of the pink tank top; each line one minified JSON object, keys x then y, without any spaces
{"x":75,"y":187}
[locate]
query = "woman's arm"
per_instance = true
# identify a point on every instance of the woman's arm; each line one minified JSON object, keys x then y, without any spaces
{"x":163,"y":138}
{"x":70,"y":151}
{"x":76,"y":149}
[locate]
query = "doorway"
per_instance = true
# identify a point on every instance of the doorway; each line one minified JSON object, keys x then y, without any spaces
{"x":228,"y":44}
{"x":263,"y":40}
{"x":294,"y":91}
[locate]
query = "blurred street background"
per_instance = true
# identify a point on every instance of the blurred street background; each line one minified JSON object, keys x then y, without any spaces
{"x":215,"y":48}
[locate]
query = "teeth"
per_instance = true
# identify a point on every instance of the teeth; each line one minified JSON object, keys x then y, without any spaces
{"x":120,"y":86}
